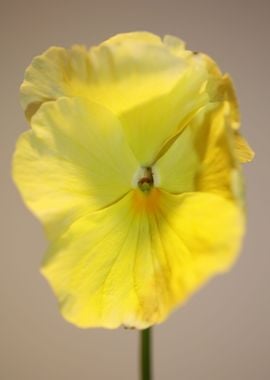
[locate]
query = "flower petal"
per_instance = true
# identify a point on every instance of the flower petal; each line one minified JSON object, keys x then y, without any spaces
{"x":214,"y":143}
{"x":202,"y":157}
{"x":243,"y":150}
{"x":91,"y":268}
{"x":176,"y":169}
{"x":74,"y":159}
{"x":120,"y":73}
{"x":149,"y":125}
{"x":199,"y":236}
{"x":120,"y":266}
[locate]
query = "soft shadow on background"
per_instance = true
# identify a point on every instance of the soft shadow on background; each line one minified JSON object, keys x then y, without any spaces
{"x":223,"y":331}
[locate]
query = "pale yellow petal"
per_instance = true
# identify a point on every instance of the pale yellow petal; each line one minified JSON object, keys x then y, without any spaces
{"x":130,"y":265}
{"x":177,"y":169}
{"x":120,"y":73}
{"x":102,"y":269}
{"x":150,"y":125}
{"x":202,"y":157}
{"x":74,"y":159}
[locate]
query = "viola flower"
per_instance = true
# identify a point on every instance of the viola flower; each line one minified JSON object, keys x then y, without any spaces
{"x":133,"y":165}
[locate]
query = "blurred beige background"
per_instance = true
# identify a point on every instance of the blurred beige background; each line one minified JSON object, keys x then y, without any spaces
{"x":223,"y":332}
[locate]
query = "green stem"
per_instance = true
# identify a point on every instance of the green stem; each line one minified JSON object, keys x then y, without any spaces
{"x":146,"y":354}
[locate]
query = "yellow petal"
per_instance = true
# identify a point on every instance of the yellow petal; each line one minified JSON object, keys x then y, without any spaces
{"x":127,"y":266}
{"x":152,"y":125}
{"x":74,"y":159}
{"x":149,"y":125}
{"x":243,"y":150}
{"x":230,"y":95}
{"x":214,"y":144}
{"x":202,"y":157}
{"x":199,"y":235}
{"x":221,"y":89}
{"x":121,"y":73}
{"x":177,"y":168}
{"x":101,"y":268}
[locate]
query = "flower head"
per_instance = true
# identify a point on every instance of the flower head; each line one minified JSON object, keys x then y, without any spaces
{"x":133,"y":165}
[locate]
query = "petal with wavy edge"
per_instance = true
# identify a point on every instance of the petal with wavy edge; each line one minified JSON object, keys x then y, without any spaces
{"x":242,"y":149}
{"x":149,"y":125}
{"x":120,"y":73}
{"x":118,"y":266}
{"x":201,"y":157}
{"x":214,"y":143}
{"x":91,"y":268}
{"x":74,"y":159}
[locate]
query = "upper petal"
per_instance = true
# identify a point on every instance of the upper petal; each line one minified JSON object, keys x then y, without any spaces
{"x":120,"y":73}
{"x":176,"y":170}
{"x":202,"y":157}
{"x":74,"y":159}
{"x":151,"y":124}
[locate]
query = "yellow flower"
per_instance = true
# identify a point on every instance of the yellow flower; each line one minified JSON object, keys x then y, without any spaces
{"x":133,"y":165}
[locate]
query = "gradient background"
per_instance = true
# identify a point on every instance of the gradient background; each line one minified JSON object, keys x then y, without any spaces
{"x":223,"y":331}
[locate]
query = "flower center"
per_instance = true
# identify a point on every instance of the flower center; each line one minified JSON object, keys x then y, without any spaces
{"x":146,"y":181}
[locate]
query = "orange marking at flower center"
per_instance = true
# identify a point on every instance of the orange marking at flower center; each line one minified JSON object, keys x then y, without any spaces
{"x":146,"y":202}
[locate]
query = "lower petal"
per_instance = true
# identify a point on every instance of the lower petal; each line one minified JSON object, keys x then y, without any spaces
{"x":131,"y":266}
{"x":198,"y":235}
{"x":101,"y":269}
